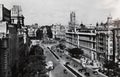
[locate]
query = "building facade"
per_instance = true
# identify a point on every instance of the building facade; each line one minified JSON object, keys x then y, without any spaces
{"x":72,"y":22}
{"x":84,"y":39}
{"x":58,"y":31}
{"x":5,"y":19}
{"x":11,"y":46}
{"x":104,"y":40}
{"x":99,"y":43}
{"x":17,"y":16}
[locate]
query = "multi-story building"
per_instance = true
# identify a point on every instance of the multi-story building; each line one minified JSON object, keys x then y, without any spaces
{"x":32,"y":30}
{"x":17,"y":16}
{"x":84,"y":39}
{"x":4,"y":57}
{"x":5,"y":19}
{"x":116,"y":42}
{"x":11,"y":44}
{"x":97,"y":43}
{"x":104,"y":40}
{"x":58,"y":31}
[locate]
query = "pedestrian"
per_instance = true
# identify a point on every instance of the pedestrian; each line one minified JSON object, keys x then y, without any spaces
{"x":65,"y":71}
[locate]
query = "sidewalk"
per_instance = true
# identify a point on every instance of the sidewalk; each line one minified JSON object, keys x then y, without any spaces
{"x":90,"y":67}
{"x":64,"y":62}
{"x":75,"y":66}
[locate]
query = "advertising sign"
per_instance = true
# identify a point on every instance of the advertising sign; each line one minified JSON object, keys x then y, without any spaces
{"x":3,"y":27}
{"x":5,"y":14}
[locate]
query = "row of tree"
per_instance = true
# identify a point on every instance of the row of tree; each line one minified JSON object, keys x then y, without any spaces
{"x":35,"y":63}
{"x":74,"y":52}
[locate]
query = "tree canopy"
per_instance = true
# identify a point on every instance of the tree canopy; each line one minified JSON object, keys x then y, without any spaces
{"x":62,"y":46}
{"x":35,"y":63}
{"x":109,"y":64}
{"x":36,"y":49}
{"x":49,"y":32}
{"x":39,"y":34}
{"x":76,"y":52}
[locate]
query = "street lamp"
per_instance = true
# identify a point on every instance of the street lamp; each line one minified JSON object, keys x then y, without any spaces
{"x":37,"y":74}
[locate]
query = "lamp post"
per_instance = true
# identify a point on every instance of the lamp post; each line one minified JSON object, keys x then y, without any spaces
{"x":37,"y":75}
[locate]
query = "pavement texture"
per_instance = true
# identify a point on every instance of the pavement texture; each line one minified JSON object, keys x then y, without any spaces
{"x":76,"y":65}
{"x":58,"y":67}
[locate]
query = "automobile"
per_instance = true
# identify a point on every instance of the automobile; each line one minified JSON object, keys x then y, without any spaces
{"x":50,"y":65}
{"x":80,"y":70}
{"x":67,"y":57}
{"x":95,"y":72}
{"x":87,"y":74}
{"x":65,"y":71}
{"x":67,"y":63}
{"x":61,"y":56}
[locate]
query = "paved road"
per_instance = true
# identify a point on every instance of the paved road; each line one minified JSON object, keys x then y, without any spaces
{"x":73,"y":64}
{"x":58,"y":67}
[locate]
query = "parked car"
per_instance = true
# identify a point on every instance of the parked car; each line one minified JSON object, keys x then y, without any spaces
{"x":65,"y":71}
{"x":67,"y":57}
{"x":95,"y":72}
{"x":67,"y":63}
{"x":87,"y":74}
{"x":50,"y":65}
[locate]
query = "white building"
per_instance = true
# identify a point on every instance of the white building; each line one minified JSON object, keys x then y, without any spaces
{"x":84,"y":39}
{"x":104,"y":40}
{"x":58,"y":31}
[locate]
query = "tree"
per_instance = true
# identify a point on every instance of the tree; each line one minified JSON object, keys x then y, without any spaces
{"x":76,"y":52}
{"x":39,"y":34}
{"x":49,"y":32}
{"x":62,"y":46}
{"x":82,"y":26}
{"x":109,"y":64}
{"x":36,"y":49}
{"x":35,"y":63}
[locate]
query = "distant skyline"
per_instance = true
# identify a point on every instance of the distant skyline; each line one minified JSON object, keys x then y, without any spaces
{"x":46,"y":12}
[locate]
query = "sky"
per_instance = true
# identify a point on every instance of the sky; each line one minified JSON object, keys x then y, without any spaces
{"x":47,"y":12}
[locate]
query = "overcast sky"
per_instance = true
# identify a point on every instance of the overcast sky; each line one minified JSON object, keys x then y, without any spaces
{"x":57,"y":11}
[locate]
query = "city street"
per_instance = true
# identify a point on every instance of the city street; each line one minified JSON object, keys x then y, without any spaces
{"x":58,"y":67}
{"x":59,"y":38}
{"x":76,"y":65}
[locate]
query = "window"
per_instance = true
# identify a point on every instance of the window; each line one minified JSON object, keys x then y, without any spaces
{"x":111,"y":50}
{"x":93,"y":38}
{"x":111,"y":44}
{"x":93,"y":45}
{"x":12,"y":20}
{"x":111,"y":57}
{"x":89,"y":38}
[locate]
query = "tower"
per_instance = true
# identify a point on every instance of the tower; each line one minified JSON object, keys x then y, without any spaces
{"x":72,"y":22}
{"x":17,"y":16}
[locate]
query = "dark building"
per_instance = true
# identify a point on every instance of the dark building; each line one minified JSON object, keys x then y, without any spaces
{"x":5,"y":18}
{"x":3,"y":57}
{"x":12,"y":42}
